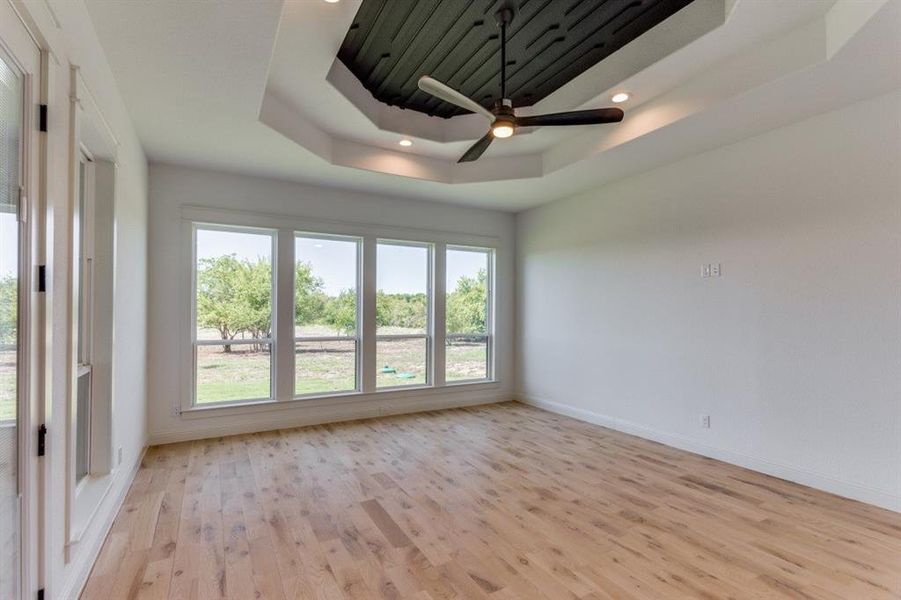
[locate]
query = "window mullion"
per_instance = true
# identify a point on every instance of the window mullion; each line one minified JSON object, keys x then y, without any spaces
{"x":489,"y":314}
{"x":439,"y":317}
{"x":368,"y":326}
{"x":283,"y":312}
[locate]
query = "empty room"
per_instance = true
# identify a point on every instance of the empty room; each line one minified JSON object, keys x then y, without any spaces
{"x":450,"y":299}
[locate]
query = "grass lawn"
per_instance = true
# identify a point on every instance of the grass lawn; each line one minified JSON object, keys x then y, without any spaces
{"x":407,"y":358}
{"x":7,"y":386}
{"x":241,"y":374}
{"x":324,"y":367}
{"x":466,"y":361}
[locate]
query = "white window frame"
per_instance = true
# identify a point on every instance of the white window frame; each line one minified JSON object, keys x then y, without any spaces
{"x":429,"y":335}
{"x":356,"y":338}
{"x":90,"y":137}
{"x":83,"y":254}
{"x":489,"y":317}
{"x":287,"y":227}
{"x":195,"y":343}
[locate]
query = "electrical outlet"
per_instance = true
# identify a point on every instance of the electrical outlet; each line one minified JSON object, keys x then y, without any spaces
{"x":705,"y":421}
{"x":711,"y":270}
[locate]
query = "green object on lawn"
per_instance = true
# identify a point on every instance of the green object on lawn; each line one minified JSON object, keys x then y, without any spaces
{"x":387,"y":369}
{"x":405,"y":375}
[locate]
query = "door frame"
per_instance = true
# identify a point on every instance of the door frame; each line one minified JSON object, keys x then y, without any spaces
{"x":24,"y":49}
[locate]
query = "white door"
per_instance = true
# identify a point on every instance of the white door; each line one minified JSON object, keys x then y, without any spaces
{"x":19,"y":410}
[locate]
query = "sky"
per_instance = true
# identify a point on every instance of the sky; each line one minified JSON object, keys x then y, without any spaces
{"x":401,"y":269}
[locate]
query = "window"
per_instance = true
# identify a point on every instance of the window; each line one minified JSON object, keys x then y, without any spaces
{"x":11,"y":263}
{"x":89,"y":305}
{"x":233,"y":291}
{"x":326,"y":314}
{"x":280,"y":311}
{"x":468,"y":273}
{"x":403,"y":314}
{"x":84,"y":247}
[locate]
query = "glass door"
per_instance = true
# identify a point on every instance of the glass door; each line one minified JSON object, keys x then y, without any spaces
{"x":11,"y":113}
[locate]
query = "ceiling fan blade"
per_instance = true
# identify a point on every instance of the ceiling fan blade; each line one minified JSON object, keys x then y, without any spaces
{"x":477,"y":149}
{"x":448,"y":94}
{"x":577,"y":117}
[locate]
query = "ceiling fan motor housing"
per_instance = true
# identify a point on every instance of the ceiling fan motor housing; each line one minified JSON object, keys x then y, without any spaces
{"x":505,"y":121}
{"x":503,"y":108}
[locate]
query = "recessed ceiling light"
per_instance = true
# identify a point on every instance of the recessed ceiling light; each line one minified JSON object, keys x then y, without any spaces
{"x":332,"y":1}
{"x":405,"y":143}
{"x":317,"y":245}
{"x":620,"y":97}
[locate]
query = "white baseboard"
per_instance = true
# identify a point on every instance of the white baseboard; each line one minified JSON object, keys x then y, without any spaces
{"x":820,"y":481}
{"x":92,"y":540}
{"x":329,"y":413}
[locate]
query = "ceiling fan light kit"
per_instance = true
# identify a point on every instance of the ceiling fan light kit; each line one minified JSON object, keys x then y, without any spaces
{"x":502,"y":129}
{"x":504,"y":121}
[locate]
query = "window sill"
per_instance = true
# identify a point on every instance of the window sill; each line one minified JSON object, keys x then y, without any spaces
{"x":89,"y":494}
{"x":461,"y":382}
{"x":304,"y":397}
{"x":404,"y":388}
{"x":398,"y":393}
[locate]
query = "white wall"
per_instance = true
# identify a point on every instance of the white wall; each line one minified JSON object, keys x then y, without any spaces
{"x":65,"y":30}
{"x":173,"y":187}
{"x":795,"y":352}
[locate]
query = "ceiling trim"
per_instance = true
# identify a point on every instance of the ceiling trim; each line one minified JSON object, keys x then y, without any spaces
{"x":789,"y":53}
{"x":236,"y":108}
{"x":287,"y":118}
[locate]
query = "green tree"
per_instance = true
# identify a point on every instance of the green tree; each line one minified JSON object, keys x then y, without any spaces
{"x":467,"y":305}
{"x":218,"y":280}
{"x":255,"y":298}
{"x":235,"y":297}
{"x":309,"y":300}
{"x":341,"y":312}
{"x":9,"y":301}
{"x":401,"y":310}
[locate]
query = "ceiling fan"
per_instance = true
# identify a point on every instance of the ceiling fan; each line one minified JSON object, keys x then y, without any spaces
{"x":502,"y":116}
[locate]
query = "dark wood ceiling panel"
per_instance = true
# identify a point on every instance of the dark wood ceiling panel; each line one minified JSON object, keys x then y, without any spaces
{"x":391,"y":43}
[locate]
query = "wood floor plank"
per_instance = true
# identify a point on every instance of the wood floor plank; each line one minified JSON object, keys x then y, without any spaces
{"x":498,"y":502}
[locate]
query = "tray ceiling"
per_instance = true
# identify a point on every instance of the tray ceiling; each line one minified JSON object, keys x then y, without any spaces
{"x":281,"y":105}
{"x":390,"y":44}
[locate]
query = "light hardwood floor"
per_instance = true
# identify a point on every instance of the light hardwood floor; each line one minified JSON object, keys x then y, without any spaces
{"x":503,"y":502}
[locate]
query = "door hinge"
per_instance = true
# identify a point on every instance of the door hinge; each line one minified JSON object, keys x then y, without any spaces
{"x":42,"y":278}
{"x":42,"y":440}
{"x":42,"y":118}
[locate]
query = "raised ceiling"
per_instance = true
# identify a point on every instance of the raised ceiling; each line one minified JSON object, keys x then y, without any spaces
{"x":280,"y":105}
{"x":390,"y":44}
